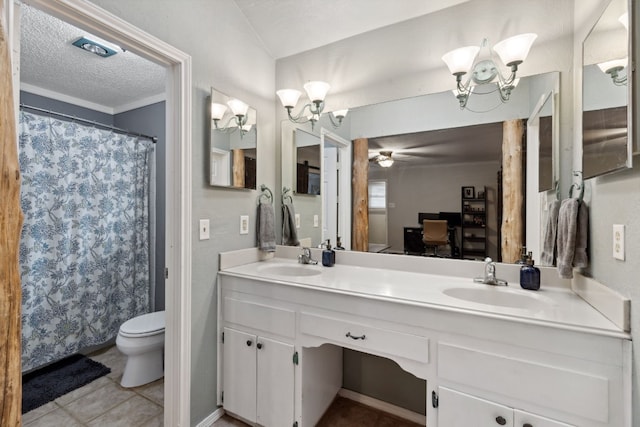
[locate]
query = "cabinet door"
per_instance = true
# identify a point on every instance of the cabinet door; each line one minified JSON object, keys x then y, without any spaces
{"x":525,"y":419}
{"x":457,"y":409}
{"x":275,"y":383}
{"x":239,"y":373}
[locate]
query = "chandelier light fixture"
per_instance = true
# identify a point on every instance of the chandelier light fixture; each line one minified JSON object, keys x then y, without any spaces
{"x":512,"y":52}
{"x":316,"y":92}
{"x":236,"y":121}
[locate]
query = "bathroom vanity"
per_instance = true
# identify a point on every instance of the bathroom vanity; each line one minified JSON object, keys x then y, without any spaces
{"x":491,"y":356}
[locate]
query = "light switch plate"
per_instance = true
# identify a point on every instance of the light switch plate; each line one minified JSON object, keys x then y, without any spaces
{"x":204,"y":229}
{"x":316,"y":221}
{"x":297,"y":220}
{"x":618,"y":241}
{"x":244,"y":224}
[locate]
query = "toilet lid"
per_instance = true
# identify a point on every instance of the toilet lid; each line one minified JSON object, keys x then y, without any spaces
{"x":146,"y":324}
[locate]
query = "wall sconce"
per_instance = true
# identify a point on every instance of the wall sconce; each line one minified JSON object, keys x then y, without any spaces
{"x":238,"y":120}
{"x":613,"y":68}
{"x":512,"y":51}
{"x":316,"y":92}
{"x":384,"y":159}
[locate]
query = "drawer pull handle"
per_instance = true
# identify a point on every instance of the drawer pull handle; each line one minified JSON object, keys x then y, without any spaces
{"x":249,"y":342}
{"x":259,"y":345}
{"x":355,"y":337}
{"x":500,"y":420}
{"x":527,"y":425}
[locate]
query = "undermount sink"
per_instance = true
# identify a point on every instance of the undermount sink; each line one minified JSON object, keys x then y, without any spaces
{"x":293,"y":270}
{"x":491,"y":295}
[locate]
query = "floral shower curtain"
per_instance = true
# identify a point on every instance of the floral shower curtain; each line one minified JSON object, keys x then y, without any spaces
{"x":84,"y":252}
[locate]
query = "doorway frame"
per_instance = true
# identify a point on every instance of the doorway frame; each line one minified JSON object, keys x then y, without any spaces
{"x":98,"y":21}
{"x":344,"y":186}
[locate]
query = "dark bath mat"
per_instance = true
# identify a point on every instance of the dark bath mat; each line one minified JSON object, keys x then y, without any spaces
{"x":59,"y":378}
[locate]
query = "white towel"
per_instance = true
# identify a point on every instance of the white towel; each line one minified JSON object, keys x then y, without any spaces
{"x":289,"y":232}
{"x":566,"y":240}
{"x":266,"y":227}
{"x":548,"y":255}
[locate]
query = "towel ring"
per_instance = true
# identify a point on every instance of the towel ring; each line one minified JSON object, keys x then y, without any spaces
{"x":579,"y":186}
{"x":266,"y":192}
{"x":286,"y":196}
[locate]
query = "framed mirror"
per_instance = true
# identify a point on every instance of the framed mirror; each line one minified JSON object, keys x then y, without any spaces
{"x":607,"y":142}
{"x":233,"y":154}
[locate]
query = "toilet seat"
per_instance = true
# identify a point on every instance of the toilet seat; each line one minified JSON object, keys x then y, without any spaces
{"x":145,"y":325}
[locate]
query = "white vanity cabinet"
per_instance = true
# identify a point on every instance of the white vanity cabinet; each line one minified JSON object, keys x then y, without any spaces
{"x":258,"y":378}
{"x":258,"y":361}
{"x":481,"y":368}
{"x":457,"y":409}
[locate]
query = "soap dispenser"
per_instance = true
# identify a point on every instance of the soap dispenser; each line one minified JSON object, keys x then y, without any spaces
{"x":328,"y":255}
{"x":530,"y":275}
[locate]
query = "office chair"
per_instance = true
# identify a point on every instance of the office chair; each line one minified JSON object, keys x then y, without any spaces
{"x":434,"y":234}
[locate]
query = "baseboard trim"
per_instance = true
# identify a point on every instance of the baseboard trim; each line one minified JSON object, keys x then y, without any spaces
{"x":383,"y":406}
{"x":212,"y":418}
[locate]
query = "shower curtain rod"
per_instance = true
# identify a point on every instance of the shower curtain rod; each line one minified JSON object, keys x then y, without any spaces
{"x":154,"y":139}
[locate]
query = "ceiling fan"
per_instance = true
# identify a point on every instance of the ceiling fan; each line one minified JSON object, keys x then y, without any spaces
{"x":383,"y":159}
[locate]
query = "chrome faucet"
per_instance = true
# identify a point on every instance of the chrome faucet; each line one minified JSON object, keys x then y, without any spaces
{"x":305,"y":257}
{"x":490,"y":274}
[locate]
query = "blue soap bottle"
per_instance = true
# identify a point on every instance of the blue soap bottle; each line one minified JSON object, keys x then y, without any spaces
{"x":328,"y":255}
{"x":530,"y":275}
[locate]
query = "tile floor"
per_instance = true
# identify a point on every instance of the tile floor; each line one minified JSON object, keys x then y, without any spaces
{"x":104,"y":403}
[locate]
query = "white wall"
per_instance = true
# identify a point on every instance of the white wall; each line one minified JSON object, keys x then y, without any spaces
{"x":228,"y":56}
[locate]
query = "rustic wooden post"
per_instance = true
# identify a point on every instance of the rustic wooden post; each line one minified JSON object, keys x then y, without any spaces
{"x":360,"y":184}
{"x":512,"y":175}
{"x":238,"y":167}
{"x":10,"y":227}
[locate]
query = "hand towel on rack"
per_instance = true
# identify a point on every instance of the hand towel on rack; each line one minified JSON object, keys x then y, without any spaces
{"x":580,"y":258}
{"x":549,"y":240}
{"x":566,"y":240}
{"x":289,"y":233}
{"x":266,"y":227}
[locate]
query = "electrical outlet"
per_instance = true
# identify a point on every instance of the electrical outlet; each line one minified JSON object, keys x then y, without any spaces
{"x":316,"y":221}
{"x":297,"y":220}
{"x":204,"y":229}
{"x":618,"y":241}
{"x":244,"y":224}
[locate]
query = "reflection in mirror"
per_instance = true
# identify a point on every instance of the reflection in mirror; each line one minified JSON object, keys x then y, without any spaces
{"x":233,"y":143}
{"x":434,"y":155}
{"x":606,"y":140}
{"x":307,"y":163}
{"x":542,"y":124}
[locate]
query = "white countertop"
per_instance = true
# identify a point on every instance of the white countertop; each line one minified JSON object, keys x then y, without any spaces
{"x":550,"y":306}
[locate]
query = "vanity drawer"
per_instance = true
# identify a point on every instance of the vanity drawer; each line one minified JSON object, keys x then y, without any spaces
{"x":544,"y":383}
{"x":259,"y":316}
{"x":365,"y":337}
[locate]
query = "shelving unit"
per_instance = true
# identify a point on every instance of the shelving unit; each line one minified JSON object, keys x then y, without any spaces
{"x":473,"y":205}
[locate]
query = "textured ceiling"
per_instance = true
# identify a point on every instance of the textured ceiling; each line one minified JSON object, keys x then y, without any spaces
{"x":287,"y":27}
{"x":48,"y":61}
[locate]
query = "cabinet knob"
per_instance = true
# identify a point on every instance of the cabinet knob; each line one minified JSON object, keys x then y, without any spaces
{"x":259,"y":345}
{"x":500,"y":420}
{"x":527,"y":425}
{"x":249,"y":342}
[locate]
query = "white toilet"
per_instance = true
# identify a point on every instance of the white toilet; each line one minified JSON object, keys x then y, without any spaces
{"x":141,"y":339}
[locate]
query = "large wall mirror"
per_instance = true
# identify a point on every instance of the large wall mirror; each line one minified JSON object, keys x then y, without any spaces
{"x":233,"y":154}
{"x":607,"y":143}
{"x":436,"y":150}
